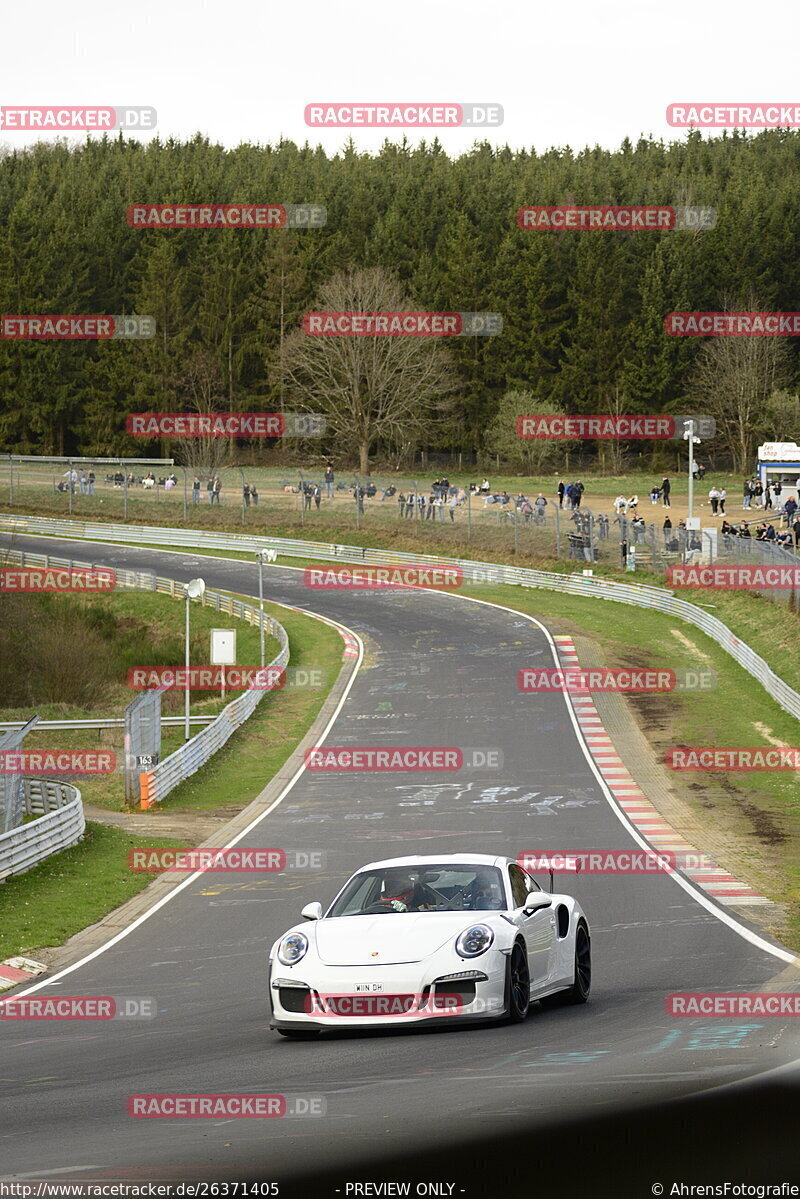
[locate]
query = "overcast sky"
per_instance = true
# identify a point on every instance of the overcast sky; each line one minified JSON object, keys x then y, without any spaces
{"x":570,"y":72}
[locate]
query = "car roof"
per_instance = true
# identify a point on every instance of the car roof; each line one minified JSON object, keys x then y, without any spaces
{"x":440,"y":859}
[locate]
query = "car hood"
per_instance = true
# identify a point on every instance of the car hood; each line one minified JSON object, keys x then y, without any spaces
{"x":390,"y":938}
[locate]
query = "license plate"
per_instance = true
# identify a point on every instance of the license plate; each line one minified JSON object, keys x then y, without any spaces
{"x":368,"y":988}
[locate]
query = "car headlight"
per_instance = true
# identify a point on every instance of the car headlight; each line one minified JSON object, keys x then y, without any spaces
{"x":292,"y":948}
{"x":474,"y":941}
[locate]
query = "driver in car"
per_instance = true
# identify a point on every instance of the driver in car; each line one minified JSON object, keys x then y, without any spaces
{"x":405,"y":892}
{"x":398,"y":887}
{"x":485,"y":893}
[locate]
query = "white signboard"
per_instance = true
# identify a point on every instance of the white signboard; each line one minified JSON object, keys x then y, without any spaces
{"x":779,"y":451}
{"x":223,"y":647}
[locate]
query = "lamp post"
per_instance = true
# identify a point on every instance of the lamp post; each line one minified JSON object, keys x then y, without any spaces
{"x":194,"y":589}
{"x":688,"y":435}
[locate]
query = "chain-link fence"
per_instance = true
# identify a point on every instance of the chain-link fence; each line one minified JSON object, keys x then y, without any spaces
{"x":142,"y":740}
{"x":11,"y":788}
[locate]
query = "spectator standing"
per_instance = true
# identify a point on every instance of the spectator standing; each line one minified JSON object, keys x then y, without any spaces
{"x":451,"y":507}
{"x":246,"y":495}
{"x":747,"y":493}
{"x":401,"y":504}
{"x":316,"y":495}
{"x":789,"y":508}
{"x":777,"y":488}
{"x":91,"y":482}
{"x":577,"y":493}
{"x":758,"y":492}
{"x":196,"y":490}
{"x":713,"y":495}
{"x":329,"y":480}
{"x":723,"y":495}
{"x":561,"y":490}
{"x":210,"y":490}
{"x":767,"y":497}
{"x":254,"y":495}
{"x":666,"y":488}
{"x":217,"y":489}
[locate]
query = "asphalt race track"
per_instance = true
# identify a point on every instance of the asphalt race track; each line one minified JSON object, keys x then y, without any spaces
{"x":534,"y":1100}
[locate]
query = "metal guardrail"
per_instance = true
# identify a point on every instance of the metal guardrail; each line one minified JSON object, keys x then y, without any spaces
{"x":60,"y":825}
{"x":157,"y":783}
{"x":102,"y":722}
{"x":657,"y":598}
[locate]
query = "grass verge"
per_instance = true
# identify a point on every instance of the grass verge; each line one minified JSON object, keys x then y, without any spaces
{"x":256,"y":751}
{"x":72,"y":890}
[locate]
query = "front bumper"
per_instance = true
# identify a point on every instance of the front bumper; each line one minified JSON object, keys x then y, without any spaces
{"x":328,"y":997}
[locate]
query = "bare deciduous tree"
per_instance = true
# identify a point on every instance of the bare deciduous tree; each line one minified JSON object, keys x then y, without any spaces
{"x":202,"y":389}
{"x":371,"y":390}
{"x":732,"y":381}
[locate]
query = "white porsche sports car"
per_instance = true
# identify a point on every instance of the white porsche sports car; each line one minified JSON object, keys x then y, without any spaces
{"x":415,"y":940}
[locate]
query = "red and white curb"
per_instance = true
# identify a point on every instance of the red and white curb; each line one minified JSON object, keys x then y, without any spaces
{"x":350,"y":646}
{"x":649,"y":822}
{"x":18,"y":970}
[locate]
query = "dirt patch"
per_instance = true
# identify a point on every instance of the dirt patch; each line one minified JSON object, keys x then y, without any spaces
{"x":764,"y":826}
{"x":687,"y":643}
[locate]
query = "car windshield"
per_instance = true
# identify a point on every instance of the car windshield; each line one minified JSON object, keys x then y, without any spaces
{"x":434,"y":888}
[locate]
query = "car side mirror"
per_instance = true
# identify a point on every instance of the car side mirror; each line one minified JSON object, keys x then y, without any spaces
{"x":535,"y":900}
{"x":312,"y":911}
